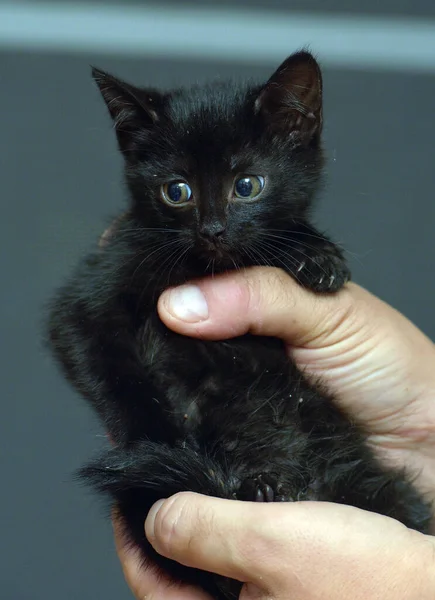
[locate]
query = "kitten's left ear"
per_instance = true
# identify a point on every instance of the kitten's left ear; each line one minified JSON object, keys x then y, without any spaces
{"x":132,"y":109}
{"x":291,"y":101}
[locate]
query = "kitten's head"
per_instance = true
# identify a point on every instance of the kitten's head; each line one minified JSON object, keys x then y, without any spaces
{"x":223,"y":167}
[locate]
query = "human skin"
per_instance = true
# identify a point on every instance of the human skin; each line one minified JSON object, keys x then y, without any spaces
{"x":381,"y":370}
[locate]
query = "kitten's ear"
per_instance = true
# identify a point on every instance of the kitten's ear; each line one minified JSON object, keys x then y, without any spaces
{"x":133,"y":110}
{"x":291,"y":101}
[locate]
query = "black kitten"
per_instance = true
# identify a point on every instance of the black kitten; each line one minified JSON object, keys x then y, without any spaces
{"x":220,"y":176}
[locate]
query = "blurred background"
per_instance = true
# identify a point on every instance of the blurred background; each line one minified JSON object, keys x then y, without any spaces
{"x":61,"y":183}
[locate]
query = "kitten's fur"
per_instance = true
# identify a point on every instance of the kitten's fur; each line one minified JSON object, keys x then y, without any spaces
{"x":233,"y":419}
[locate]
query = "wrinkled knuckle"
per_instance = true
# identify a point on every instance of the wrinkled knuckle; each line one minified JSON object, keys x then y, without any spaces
{"x":169,"y":534}
{"x":346,"y":310}
{"x":338,"y":320}
{"x":267,"y":288}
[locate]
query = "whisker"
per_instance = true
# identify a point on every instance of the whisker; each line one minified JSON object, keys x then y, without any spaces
{"x":169,"y":256}
{"x":277,"y":258}
{"x":352,"y":254}
{"x":273,"y":252}
{"x":184,"y":256}
{"x":318,"y":236}
{"x":298,"y":249}
{"x":236,"y":266}
{"x":303,"y":233}
{"x":295,"y":261}
{"x":170,"y":243}
{"x":289,"y":239}
{"x":252,"y":252}
{"x":144,"y":249}
{"x":168,"y":252}
{"x":208,"y":265}
{"x":180,"y":256}
{"x":154,"y":229}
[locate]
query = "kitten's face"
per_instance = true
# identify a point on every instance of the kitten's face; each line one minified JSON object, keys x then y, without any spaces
{"x":225,"y":168}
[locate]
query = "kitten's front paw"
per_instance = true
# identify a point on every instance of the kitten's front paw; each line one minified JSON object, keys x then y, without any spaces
{"x":262,"y":488}
{"x":325,"y":272}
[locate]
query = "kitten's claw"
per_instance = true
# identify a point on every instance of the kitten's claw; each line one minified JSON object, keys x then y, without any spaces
{"x":268,"y":494}
{"x":262,"y":488}
{"x":259,"y":495}
{"x":326,"y":272}
{"x":314,"y":490}
{"x":264,"y":493}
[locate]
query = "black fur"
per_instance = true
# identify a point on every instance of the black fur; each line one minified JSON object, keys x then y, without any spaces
{"x":233,"y":419}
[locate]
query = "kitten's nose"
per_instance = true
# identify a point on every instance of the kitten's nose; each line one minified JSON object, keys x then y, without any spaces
{"x":212,"y":230}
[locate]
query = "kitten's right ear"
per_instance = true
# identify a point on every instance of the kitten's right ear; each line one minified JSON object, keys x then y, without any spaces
{"x":132,"y":109}
{"x":291,"y":101}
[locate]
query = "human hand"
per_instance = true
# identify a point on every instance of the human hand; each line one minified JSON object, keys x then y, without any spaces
{"x":378,"y":365}
{"x":302,"y":551}
{"x":375,"y":361}
{"x":146,"y":581}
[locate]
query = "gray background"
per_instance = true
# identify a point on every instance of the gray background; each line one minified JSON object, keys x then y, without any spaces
{"x":60,"y":177}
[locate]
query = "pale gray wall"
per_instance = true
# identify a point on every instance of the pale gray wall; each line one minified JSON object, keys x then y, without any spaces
{"x":60,"y":177}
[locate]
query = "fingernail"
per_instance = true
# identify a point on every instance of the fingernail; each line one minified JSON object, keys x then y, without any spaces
{"x":151,"y":518}
{"x":187,"y":303}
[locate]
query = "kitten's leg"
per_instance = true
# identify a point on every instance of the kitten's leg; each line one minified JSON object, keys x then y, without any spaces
{"x":317,"y":263}
{"x":136,"y":478}
{"x":375,"y":489}
{"x":100,"y":355}
{"x":385,"y":491}
{"x":104,"y":368}
{"x":352,"y":474}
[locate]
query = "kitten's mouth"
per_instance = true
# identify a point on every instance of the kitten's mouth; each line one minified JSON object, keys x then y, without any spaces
{"x":215,"y":252}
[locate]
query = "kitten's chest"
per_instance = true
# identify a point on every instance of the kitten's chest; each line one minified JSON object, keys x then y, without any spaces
{"x":203,"y":381}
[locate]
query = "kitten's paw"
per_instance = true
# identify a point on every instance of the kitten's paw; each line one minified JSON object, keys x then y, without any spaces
{"x":325,"y":272}
{"x":262,"y":488}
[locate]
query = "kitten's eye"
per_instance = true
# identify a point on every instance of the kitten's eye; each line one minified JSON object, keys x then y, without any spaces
{"x":176,"y":193}
{"x":249,"y":187}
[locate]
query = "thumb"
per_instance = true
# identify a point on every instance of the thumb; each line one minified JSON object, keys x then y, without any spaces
{"x":235,"y":539}
{"x":259,"y":300}
{"x":298,"y":550}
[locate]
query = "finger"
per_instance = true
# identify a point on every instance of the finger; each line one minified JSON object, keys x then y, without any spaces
{"x":280,"y":550}
{"x":260,"y":300}
{"x":246,"y":541}
{"x":146,"y":580}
